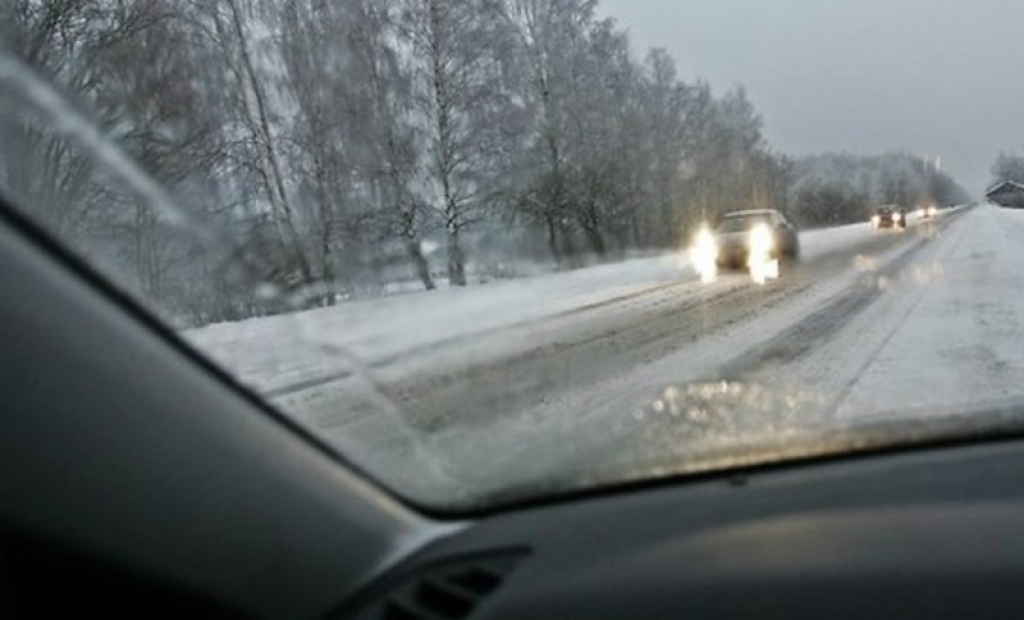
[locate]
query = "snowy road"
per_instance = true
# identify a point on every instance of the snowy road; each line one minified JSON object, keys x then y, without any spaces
{"x":622,"y":368}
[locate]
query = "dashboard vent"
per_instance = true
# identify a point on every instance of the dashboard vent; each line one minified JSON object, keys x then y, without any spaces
{"x":449,"y":591}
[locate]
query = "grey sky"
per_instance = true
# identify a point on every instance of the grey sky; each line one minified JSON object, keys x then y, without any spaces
{"x":939,"y":77}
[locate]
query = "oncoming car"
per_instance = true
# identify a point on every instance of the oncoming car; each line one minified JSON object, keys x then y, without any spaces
{"x":889,"y":216}
{"x":742,"y":232}
{"x":756,"y":240}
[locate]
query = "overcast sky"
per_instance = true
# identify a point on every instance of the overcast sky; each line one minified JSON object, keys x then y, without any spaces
{"x":939,"y":77}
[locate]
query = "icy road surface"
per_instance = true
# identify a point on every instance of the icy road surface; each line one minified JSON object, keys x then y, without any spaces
{"x":637,"y":369}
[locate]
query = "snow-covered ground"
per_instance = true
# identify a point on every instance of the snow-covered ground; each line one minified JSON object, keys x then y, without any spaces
{"x":950,"y":333}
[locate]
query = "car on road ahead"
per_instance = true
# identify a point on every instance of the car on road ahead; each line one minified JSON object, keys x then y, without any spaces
{"x":889,"y":216}
{"x":739,"y":233}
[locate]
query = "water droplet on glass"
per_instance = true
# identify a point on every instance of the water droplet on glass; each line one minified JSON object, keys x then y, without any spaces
{"x":267,"y":291}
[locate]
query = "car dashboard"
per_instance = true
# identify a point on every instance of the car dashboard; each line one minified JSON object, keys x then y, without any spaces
{"x":932,"y":534}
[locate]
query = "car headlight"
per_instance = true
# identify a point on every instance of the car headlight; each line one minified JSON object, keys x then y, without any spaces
{"x":761,"y":239}
{"x":704,"y":254}
{"x":704,"y":243}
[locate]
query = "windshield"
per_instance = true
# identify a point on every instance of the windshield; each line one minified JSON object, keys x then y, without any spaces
{"x":741,"y":223}
{"x":468,"y":243}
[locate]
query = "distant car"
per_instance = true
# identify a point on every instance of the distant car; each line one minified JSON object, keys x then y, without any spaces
{"x":928,"y":212}
{"x":764,"y":230}
{"x":889,"y":216}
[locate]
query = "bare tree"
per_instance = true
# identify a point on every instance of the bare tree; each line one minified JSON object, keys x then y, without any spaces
{"x":551,"y":36}
{"x":230,"y":23}
{"x":394,"y":153}
{"x":461,"y":95}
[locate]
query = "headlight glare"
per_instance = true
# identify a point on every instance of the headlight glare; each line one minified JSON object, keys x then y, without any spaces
{"x":704,"y":254}
{"x":761,"y":241}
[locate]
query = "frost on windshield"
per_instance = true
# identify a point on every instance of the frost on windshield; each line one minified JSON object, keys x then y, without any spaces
{"x":466,"y":242}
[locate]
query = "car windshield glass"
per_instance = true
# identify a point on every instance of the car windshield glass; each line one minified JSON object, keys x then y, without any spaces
{"x":742,"y":223}
{"x":471,"y":245}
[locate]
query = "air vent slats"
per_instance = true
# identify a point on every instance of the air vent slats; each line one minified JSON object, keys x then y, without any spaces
{"x":399,"y":609}
{"x":449,"y":591}
{"x":443,"y":601}
{"x":477,"y":579}
{"x":452,"y":588}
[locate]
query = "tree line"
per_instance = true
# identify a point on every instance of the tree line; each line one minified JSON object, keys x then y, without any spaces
{"x":840,"y":188}
{"x":1008,"y":166}
{"x":347,"y":145}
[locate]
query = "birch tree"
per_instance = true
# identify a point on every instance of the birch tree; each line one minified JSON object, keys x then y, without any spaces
{"x":464,"y":103}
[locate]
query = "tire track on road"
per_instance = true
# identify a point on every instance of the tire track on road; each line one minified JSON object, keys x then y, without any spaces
{"x":505,"y":387}
{"x":654,"y":297}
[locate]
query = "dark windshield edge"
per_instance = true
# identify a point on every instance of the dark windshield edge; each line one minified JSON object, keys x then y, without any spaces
{"x":68,"y":259}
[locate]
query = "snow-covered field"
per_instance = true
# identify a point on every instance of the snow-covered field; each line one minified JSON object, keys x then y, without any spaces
{"x":638,"y":369}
